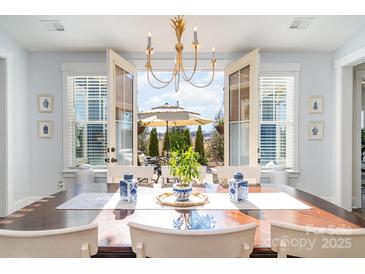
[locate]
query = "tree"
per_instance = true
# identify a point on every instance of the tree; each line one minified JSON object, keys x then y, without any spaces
{"x":216,"y":147}
{"x":166,"y":141}
{"x":187,"y":137}
{"x":153,"y":145}
{"x":199,"y":146}
{"x":143,"y":141}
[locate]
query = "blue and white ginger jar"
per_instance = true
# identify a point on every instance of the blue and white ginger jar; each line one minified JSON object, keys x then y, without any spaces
{"x":238,"y":188}
{"x":128,"y":188}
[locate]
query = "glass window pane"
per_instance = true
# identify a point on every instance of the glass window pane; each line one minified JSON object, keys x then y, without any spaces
{"x":234,"y":144}
{"x":245,"y":94}
{"x":233,"y":97}
{"x":244,"y":144}
{"x":124,"y":116}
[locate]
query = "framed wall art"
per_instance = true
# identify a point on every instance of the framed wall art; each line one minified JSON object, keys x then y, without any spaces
{"x":315,"y":130}
{"x":45,"y":103}
{"x":315,"y":104}
{"x":45,"y":129}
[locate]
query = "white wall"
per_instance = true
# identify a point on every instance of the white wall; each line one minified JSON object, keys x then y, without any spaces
{"x":20,"y":119}
{"x":47,"y":154}
{"x":316,"y":78}
{"x":356,"y":41}
{"x":315,"y":157}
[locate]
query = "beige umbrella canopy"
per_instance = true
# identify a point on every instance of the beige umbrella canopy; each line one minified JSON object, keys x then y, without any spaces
{"x":167,"y":115}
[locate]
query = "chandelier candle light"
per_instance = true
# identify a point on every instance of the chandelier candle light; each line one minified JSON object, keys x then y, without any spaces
{"x":178,"y":24}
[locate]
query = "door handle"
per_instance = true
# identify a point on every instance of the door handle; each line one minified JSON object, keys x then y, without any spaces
{"x":113,"y":160}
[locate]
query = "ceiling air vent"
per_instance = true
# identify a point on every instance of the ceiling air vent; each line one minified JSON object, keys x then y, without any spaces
{"x":301,"y":22}
{"x":52,"y":25}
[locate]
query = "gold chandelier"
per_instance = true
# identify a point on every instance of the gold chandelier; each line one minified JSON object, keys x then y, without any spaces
{"x":178,"y":24}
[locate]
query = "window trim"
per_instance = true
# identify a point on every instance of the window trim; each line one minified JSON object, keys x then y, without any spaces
{"x":287,"y":69}
{"x":69,"y":69}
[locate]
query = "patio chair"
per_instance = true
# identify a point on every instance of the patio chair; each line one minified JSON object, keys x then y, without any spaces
{"x":155,"y":242}
{"x":315,"y":242}
{"x":225,"y":173}
{"x":139,"y":172}
{"x":74,"y":242}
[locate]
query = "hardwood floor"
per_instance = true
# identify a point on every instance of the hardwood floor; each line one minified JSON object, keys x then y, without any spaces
{"x":361,"y":211}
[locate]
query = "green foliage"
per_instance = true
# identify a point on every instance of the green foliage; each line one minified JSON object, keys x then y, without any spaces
{"x":153,"y":145}
{"x":216,"y":147}
{"x":184,"y":165}
{"x":142,"y":141}
{"x":166,"y":142}
{"x":219,"y":119}
{"x":199,"y":146}
{"x":178,"y":140}
{"x":187,"y":137}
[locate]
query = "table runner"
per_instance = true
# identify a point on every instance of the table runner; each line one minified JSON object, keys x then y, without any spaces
{"x":147,"y":201}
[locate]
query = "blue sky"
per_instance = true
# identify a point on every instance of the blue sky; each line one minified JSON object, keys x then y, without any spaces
{"x":206,"y":101}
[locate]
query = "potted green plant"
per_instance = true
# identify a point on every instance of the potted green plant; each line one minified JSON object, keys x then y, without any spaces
{"x":219,"y":123}
{"x":184,"y":165}
{"x":140,"y":128}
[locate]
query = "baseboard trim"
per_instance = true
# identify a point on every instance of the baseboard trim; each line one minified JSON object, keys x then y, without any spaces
{"x":24,"y":202}
{"x":329,"y":199}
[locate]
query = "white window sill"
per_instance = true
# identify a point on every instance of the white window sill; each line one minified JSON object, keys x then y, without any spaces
{"x":70,"y":173}
{"x":101,"y":173}
{"x":292,"y":173}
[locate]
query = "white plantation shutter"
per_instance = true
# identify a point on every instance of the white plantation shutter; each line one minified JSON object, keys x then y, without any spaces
{"x":86,"y":120}
{"x":277,"y":119}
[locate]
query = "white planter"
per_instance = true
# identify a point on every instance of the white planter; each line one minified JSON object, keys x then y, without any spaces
{"x":279,"y":175}
{"x":84,"y":174}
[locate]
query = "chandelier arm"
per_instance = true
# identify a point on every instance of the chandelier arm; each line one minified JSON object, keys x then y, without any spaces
{"x":177,"y":82}
{"x":149,"y":68}
{"x":206,"y":85}
{"x":188,"y":79}
{"x":156,"y":87}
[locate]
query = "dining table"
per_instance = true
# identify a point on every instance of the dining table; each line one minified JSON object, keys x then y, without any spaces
{"x":113,"y":232}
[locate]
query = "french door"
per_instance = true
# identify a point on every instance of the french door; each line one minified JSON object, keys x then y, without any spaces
{"x":122,"y":116}
{"x":241,"y":108}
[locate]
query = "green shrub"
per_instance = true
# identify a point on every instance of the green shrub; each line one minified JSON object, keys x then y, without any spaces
{"x":199,"y":146}
{"x":153,"y":145}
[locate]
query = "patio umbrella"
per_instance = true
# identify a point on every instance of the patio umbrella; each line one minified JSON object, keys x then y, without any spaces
{"x":168,"y":115}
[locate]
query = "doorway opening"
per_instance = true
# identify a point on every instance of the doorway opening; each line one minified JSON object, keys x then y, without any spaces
{"x":3,"y":153}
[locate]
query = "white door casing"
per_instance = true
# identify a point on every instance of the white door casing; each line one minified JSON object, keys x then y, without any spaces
{"x":251,"y":60}
{"x":7,"y":133}
{"x":116,"y":62}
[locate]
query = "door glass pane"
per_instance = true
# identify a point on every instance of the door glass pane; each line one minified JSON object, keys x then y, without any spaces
{"x":245,"y":94}
{"x":233,"y":97}
{"x":233,"y":144}
{"x":244,"y":143}
{"x":123,"y":116}
{"x":239,"y":117}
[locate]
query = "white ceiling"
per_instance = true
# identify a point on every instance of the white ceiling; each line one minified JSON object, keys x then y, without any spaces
{"x":226,"y":33}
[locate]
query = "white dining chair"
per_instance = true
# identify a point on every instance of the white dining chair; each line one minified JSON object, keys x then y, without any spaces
{"x":139,"y":172}
{"x":74,"y":242}
{"x":315,"y":242}
{"x":168,"y":178}
{"x":251,"y":173}
{"x":154,"y":242}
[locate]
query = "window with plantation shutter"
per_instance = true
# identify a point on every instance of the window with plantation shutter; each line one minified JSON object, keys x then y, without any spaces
{"x":86,"y":120}
{"x":277,"y":119}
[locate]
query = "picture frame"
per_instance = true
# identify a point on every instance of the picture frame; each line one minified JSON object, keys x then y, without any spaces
{"x":315,"y":130}
{"x":45,"y":129}
{"x":315,"y":104}
{"x":45,"y":103}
